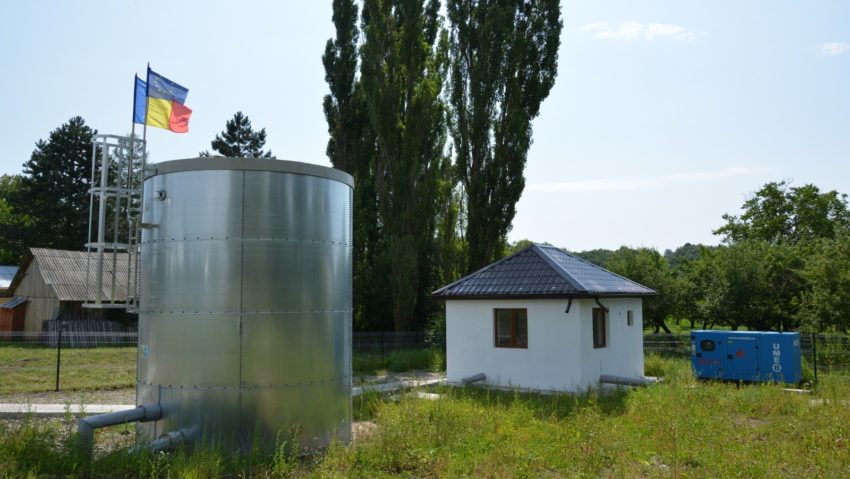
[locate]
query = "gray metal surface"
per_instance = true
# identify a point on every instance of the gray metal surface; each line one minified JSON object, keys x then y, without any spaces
{"x":245,"y":306}
{"x":256,"y":164}
{"x":542,"y":271}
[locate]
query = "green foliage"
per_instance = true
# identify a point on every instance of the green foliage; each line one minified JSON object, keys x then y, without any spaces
{"x":684,"y":254}
{"x":503,"y":63}
{"x":599,"y":257}
{"x":825,"y":302}
{"x":351,"y":148}
{"x":239,"y":140}
{"x":779,"y":213}
{"x":518,"y":246}
{"x":647,"y":267}
{"x":12,"y":225}
{"x":752,"y":284}
{"x":399,"y":361}
{"x":48,"y":205}
{"x":387,"y":128}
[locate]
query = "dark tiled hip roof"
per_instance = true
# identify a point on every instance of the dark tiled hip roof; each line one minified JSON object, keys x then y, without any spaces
{"x":542,"y":271}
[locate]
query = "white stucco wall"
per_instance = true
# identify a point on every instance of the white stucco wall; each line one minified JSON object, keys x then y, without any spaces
{"x":623,"y":355}
{"x":560,"y":354}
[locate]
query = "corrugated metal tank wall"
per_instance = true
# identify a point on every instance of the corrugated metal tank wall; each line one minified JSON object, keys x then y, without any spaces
{"x":245,"y":307}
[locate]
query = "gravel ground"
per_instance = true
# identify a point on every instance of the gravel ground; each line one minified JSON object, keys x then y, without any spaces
{"x":394,"y":377}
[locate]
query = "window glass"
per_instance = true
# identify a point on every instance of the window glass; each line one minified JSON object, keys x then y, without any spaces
{"x":707,"y":345}
{"x":630,"y":318}
{"x":599,"y":333}
{"x":503,"y":330}
{"x":511,"y":327}
{"x":521,"y":329}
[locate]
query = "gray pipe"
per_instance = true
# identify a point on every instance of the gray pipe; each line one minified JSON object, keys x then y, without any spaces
{"x":641,"y":381}
{"x":173,"y":439}
{"x":474,"y":378}
{"x":87,"y":425}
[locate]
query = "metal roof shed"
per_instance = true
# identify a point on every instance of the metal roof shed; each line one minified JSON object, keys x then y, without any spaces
{"x":55,"y":282}
{"x":543,"y":319}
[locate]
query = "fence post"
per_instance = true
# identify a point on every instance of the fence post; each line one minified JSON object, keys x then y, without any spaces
{"x":58,"y":355}
{"x":815,"y":356}
{"x":382,"y":345}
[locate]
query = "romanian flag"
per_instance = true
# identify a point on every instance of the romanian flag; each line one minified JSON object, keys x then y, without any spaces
{"x":160,"y":102}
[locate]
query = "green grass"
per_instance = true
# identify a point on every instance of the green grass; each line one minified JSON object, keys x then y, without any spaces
{"x":678,"y":428}
{"x":399,"y":361}
{"x":28,"y":369}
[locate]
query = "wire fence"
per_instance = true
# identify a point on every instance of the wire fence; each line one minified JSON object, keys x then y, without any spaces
{"x":46,"y":360}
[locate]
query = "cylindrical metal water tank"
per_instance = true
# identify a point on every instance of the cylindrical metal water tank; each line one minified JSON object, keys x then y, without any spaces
{"x":245,"y":301}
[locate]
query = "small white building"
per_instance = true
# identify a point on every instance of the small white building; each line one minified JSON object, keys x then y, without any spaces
{"x":545,"y":320}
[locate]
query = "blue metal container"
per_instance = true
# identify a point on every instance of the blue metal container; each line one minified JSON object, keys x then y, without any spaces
{"x":753,"y":356}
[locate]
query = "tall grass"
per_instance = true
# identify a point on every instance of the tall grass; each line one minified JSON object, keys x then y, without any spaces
{"x":399,"y":361}
{"x":678,"y":428}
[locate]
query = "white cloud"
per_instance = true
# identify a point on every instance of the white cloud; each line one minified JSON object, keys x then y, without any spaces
{"x":625,"y":184}
{"x":834,"y":48}
{"x":629,"y":31}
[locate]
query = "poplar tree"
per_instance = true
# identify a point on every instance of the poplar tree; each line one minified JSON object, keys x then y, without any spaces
{"x":351,"y":148}
{"x":239,"y":140}
{"x":504,"y":60}
{"x":404,"y":59}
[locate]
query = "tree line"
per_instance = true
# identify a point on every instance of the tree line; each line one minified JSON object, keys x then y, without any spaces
{"x":783,"y":264}
{"x":432,"y":117}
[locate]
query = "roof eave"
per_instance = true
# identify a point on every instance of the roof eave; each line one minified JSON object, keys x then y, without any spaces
{"x":543,"y":296}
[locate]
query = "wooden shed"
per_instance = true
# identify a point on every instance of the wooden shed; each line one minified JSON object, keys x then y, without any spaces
{"x":55,"y":284}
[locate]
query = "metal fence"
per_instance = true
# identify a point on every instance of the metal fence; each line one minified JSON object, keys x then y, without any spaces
{"x":362,"y":341}
{"x":826,"y":352}
{"x":386,"y":341}
{"x":69,"y":339}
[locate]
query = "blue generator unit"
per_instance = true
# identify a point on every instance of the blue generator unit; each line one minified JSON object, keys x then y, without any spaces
{"x":753,"y":356}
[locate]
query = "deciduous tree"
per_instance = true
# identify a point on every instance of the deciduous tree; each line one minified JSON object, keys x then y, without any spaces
{"x":403,"y":66}
{"x":780,"y":213}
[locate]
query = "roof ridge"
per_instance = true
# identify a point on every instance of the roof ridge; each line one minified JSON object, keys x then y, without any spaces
{"x":600,"y":267}
{"x":558,"y":269}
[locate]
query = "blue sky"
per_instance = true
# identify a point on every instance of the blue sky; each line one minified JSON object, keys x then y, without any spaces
{"x":665,"y":114}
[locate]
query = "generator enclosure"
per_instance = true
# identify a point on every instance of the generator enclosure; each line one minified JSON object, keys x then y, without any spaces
{"x":245,"y":303}
{"x":753,"y":356}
